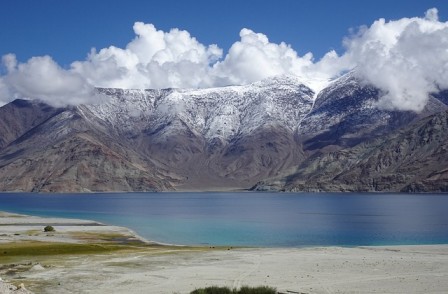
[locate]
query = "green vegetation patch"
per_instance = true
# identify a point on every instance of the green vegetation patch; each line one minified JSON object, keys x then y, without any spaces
{"x":116,"y":238}
{"x":43,"y":248}
{"x":243,"y":290}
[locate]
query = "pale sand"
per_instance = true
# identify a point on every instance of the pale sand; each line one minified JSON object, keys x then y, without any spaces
{"x":16,"y":227}
{"x":390,"y":269}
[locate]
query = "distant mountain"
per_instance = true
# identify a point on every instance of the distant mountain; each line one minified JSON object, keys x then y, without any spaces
{"x":270,"y":132}
{"x":345,"y":114}
{"x":168,"y":139}
{"x":413,"y":159}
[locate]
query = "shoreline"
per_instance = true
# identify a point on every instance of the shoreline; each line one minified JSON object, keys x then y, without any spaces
{"x":224,"y":190}
{"x":90,"y":256}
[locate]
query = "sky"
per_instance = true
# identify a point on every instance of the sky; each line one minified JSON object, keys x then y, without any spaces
{"x":46,"y":46}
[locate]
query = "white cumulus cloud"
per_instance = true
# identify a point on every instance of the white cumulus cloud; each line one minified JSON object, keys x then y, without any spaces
{"x":44,"y":79}
{"x":255,"y":58}
{"x":406,"y":59}
{"x":154,"y":59}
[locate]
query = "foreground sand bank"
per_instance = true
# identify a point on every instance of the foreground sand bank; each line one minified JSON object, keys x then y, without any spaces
{"x":141,"y":268}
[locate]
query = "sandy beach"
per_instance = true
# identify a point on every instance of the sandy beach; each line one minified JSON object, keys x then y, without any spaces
{"x":111,"y":259}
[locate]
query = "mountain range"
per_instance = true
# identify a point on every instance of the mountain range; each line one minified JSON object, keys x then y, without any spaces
{"x":276,"y":134}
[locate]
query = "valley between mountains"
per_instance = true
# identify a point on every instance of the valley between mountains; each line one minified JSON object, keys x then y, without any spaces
{"x":276,"y":134}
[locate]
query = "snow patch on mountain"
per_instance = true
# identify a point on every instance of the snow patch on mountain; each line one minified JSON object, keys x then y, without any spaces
{"x":222,"y":113}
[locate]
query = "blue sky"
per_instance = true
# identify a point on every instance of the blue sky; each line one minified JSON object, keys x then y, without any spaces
{"x":46,"y":45}
{"x":66,"y":30}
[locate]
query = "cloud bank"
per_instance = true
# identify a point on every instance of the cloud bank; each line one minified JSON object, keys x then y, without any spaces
{"x":42,"y":78}
{"x":406,"y":59}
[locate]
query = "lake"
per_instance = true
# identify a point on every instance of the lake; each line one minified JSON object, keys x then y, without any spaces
{"x":254,"y":219}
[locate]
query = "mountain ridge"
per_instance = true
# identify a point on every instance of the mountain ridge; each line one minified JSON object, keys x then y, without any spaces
{"x":189,"y":139}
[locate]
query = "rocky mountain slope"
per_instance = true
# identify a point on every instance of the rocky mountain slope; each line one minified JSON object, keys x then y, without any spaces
{"x":68,"y":153}
{"x":346,"y":113}
{"x":19,"y":116}
{"x":413,"y":159}
{"x":169,"y":139}
{"x":193,"y":139}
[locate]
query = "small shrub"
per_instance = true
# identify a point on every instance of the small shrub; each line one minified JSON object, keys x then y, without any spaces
{"x":213,"y":290}
{"x":49,"y":229}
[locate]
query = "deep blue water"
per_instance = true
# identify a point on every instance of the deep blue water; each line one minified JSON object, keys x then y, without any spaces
{"x":254,"y":219}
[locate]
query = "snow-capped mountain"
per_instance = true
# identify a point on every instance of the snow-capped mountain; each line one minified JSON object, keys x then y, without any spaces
{"x":346,"y":113}
{"x":215,"y":113}
{"x":188,"y":139}
{"x":160,"y":139}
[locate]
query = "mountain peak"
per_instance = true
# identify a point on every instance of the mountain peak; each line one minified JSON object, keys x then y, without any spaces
{"x":313,"y":83}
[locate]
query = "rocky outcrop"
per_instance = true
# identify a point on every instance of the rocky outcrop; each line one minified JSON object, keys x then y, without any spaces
{"x":8,"y":288}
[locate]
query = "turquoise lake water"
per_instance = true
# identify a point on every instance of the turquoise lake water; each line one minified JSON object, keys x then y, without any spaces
{"x":254,"y":219}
